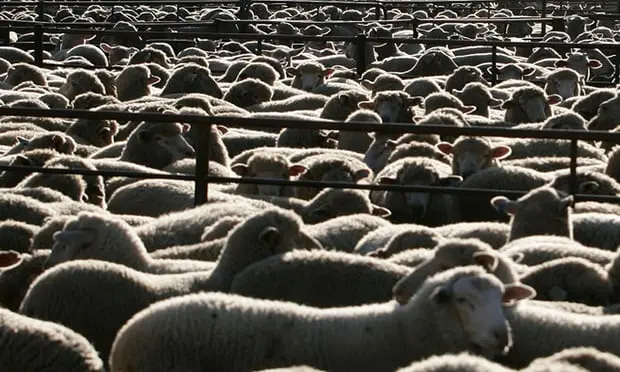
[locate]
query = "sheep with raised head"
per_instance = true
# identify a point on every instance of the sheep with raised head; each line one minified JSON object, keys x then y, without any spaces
{"x":418,"y":207}
{"x":451,"y":253}
{"x":544,"y":203}
{"x":471,"y":154}
{"x":529,"y":105}
{"x":433,"y":319}
{"x":477,"y":95}
{"x":267,"y":166}
{"x":392,"y":106}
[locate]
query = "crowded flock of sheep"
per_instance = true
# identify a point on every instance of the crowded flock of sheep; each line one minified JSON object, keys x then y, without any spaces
{"x":111,"y":273}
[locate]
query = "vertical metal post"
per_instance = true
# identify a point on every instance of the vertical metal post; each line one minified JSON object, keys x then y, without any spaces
{"x":617,"y":67}
{"x":493,"y":65}
{"x":201,"y":185}
{"x":543,"y":14}
{"x":40,"y":10}
{"x":361,"y":53}
{"x":573,"y":167}
{"x":259,"y":46}
{"x":38,"y":45}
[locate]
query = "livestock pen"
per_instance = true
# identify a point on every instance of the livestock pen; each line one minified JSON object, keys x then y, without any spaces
{"x":343,"y":256}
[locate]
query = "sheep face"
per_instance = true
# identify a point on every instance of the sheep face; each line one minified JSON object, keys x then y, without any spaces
{"x":392,"y":106}
{"x":308,"y":76}
{"x":192,"y":78}
{"x":607,"y":117}
{"x":248,"y":92}
{"x":79,"y":82}
{"x":472,"y":154}
{"x":163,"y":142}
{"x":479,"y":300}
{"x":564,"y":82}
{"x":98,"y":133}
{"x":529,"y":105}
{"x":579,"y":62}
{"x":266,"y":166}
{"x":513,"y":71}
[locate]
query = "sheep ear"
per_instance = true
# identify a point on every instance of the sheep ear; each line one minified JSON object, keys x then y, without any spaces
{"x":554,"y":99}
{"x":445,"y":147}
{"x":328,"y":71}
{"x":501,"y":152}
{"x":269,"y":236}
{"x":493,"y":102}
{"x":361,"y":174}
{"x":588,"y":187}
{"x":153,"y":80}
{"x":368,"y":105}
{"x":387,"y":181}
{"x":9,"y":259}
{"x":292,"y":71}
{"x":73,"y":236}
{"x":528,"y":71}
{"x":23,"y":140}
{"x":380,"y":211}
{"x":561,"y":63}
{"x":379,"y":253}
{"x":367,"y":84}
{"x":468,"y":109}
{"x":413,"y":101}
{"x":566,"y":202}
{"x":297,"y":169}
{"x":57,"y":141}
{"x":222,"y":129}
{"x":486,"y":260}
{"x":441,"y":295}
{"x":517,"y":257}
{"x":239,"y":168}
{"x":508,"y":104}
{"x":504,"y":205}
{"x":594,"y":64}
{"x":516,"y":292}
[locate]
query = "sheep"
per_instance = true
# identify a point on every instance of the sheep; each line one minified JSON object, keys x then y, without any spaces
{"x":537,"y":249}
{"x":598,"y":230}
{"x":490,"y":337}
{"x":540,"y":332}
{"x":342,"y":104}
{"x":34,"y":345}
{"x":390,"y":240}
{"x":21,"y":72}
{"x":528,"y":105}
{"x":540,"y":147}
{"x":494,"y":234}
{"x":326,"y":167}
{"x":606,"y":116}
{"x":417,"y":207}
{"x":308,"y":75}
{"x":267,"y":166}
{"x":569,"y":120}
{"x":355,"y":140}
{"x":445,"y":116}
{"x":463,"y":362}
{"x":378,"y":238}
{"x":344,"y":232}
{"x":288,"y":277}
{"x":477,"y":95}
{"x":471,"y":154}
{"x":462,"y":76}
{"x":587,"y":106}
{"x":259,"y":70}
{"x":546,"y":203}
{"x":248,"y":92}
{"x":435,"y":101}
{"x":587,"y":357}
{"x":83,"y":287}
{"x":24,"y":209}
{"x":421,"y":87}
{"x":220,"y":229}
{"x":96,"y":236}
{"x":478,"y":208}
{"x":57,"y":141}
{"x":392,"y":106}
{"x":192,"y":78}
{"x":383,"y":82}
{"x":157,"y":145}
{"x":93,"y":132}
{"x":134,"y":82}
{"x":17,"y":272}
{"x":81,"y":81}
{"x":307,"y":138}
{"x":432,"y":62}
{"x":16,"y":235}
{"x":587,"y":182}
{"x":564,"y":82}
{"x":452,"y":253}
{"x":570,"y":279}
{"x":308,"y":101}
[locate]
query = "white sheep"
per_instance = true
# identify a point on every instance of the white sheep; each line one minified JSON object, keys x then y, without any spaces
{"x":379,"y":337}
{"x":77,"y":294}
{"x":99,"y":237}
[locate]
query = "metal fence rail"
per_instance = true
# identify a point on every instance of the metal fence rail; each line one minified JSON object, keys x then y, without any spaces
{"x":202,"y":126}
